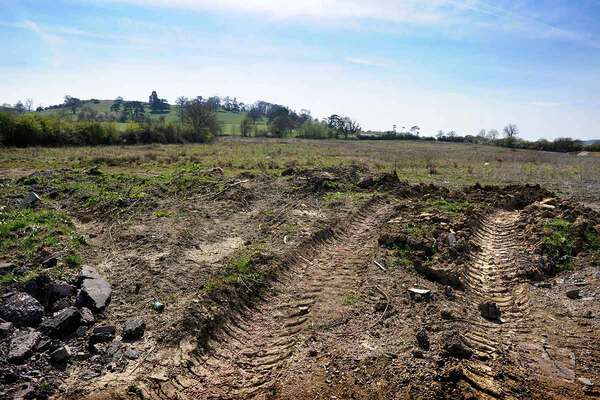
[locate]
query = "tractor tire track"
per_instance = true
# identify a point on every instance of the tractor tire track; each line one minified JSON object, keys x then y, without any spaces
{"x":493,"y":276}
{"x":246,"y":357}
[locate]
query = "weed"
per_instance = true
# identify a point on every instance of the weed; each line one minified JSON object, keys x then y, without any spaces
{"x":450,"y":207}
{"x":73,"y":260}
{"x":162,"y":213}
{"x":351,"y":299}
{"x":559,"y":242}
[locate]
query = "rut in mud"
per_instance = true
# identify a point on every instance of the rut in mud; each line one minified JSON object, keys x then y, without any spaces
{"x":492,"y":276}
{"x":245,"y":358}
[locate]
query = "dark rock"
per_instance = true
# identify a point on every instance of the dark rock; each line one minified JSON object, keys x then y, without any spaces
{"x":95,"y":291}
{"x":489,"y":310}
{"x":423,"y":339}
{"x":22,"y":345}
{"x":61,"y":304}
{"x":63,"y":323}
{"x":59,"y":290}
{"x":6,"y":267}
{"x":134,"y":328}
{"x":61,"y":355}
{"x":87,"y":317}
{"x":81,"y":331}
{"x":38,"y":288}
{"x":574,"y":294}
{"x":114,"y":348}
{"x":380,"y":306}
{"x":103,"y":333}
{"x":31,"y":200}
{"x":44,"y":344}
{"x":312,"y":353}
{"x":6,"y":328}
{"x":21,"y":309}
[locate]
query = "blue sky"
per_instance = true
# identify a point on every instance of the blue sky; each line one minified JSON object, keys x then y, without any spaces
{"x":458,"y":65}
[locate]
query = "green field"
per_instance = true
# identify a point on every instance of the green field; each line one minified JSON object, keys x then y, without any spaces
{"x":230,"y":120}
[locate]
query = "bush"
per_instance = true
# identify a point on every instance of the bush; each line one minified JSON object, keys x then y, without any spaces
{"x":42,"y":130}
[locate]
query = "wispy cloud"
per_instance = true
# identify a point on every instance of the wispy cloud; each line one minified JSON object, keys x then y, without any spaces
{"x":451,"y":15}
{"x":365,"y":62}
{"x":546,"y":104}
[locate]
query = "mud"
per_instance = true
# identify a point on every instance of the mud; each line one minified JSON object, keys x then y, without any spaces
{"x":321,"y":307}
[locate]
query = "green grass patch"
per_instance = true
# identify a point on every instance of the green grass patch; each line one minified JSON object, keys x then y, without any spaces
{"x":239,"y":271}
{"x":351,"y":299}
{"x":559,"y":242}
{"x":449,"y":207}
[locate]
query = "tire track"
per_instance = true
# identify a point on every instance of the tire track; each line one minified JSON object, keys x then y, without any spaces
{"x":247,"y":356}
{"x":493,"y":276}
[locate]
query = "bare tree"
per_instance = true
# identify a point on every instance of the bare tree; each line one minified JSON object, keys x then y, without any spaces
{"x":482,"y":134}
{"x":511,"y":131}
{"x":493,"y":134}
{"x":28,"y":105}
{"x":19,"y":107}
{"x":415,"y":130}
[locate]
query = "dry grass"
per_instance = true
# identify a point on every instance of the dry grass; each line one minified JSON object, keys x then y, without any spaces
{"x":447,"y":164}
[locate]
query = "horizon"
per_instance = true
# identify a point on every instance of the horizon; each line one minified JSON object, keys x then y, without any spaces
{"x":441,"y":65}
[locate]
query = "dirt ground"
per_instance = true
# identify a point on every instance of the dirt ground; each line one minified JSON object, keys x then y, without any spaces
{"x":342,"y":283}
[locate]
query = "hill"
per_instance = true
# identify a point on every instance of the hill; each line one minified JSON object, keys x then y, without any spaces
{"x":590,"y":142}
{"x":230,"y":120}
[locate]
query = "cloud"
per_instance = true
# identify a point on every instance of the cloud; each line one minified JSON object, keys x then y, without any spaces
{"x":547,"y":104}
{"x":47,"y":36}
{"x":365,"y":62}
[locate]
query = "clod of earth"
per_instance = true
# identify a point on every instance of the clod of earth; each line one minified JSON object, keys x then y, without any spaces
{"x":423,"y":339}
{"x":573,"y":294}
{"x":489,"y":310}
{"x":31,"y":200}
{"x":21,"y":309}
{"x":22,"y":345}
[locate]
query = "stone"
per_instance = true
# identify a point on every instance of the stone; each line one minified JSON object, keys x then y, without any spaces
{"x":416,"y":353}
{"x":134,"y":328}
{"x":158,"y":306}
{"x":131,"y":354}
{"x":447,"y":314}
{"x":87,"y":317}
{"x":419,"y":294}
{"x":59,"y":290}
{"x":586,"y":381}
{"x":61,"y":355}
{"x":62,"y":323}
{"x":31,"y":200}
{"x":103,"y":333}
{"x":573,"y":294}
{"x":87,"y":272}
{"x":6,"y":267}
{"x":489,"y":310}
{"x":22,"y":345}
{"x":21,"y":309}
{"x":61,"y":304}
{"x":452,"y":239}
{"x":95,"y":292}
{"x":423,"y":339}
{"x":455,"y":347}
{"x":6,"y":328}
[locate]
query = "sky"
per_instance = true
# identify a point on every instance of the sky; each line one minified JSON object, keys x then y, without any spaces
{"x":461,"y":65}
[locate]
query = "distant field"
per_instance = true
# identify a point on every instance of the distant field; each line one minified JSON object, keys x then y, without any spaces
{"x":446,"y":164}
{"x":230,"y":120}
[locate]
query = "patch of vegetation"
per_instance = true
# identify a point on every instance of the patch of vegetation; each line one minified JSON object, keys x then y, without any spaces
{"x":402,"y":255}
{"x":351,"y":299}
{"x":559,"y":242}
{"x":449,"y":207}
{"x":336,"y":199}
{"x":73,"y":260}
{"x":418,"y":230}
{"x":239,"y":271}
{"x":162,"y":213}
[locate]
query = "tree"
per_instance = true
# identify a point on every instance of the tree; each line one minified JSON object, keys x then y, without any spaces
{"x":482,"y":134}
{"x":280,"y":125}
{"x":336,"y":123}
{"x":350,"y":127}
{"x":415,"y":130}
{"x":246,"y":126}
{"x":28,"y":105}
{"x":180,"y":102}
{"x":440,"y":135}
{"x":39,"y":109}
{"x":511,"y":131}
{"x":203,"y":119}
{"x":493,"y":134}
{"x":72,"y":103}
{"x":19,"y":107}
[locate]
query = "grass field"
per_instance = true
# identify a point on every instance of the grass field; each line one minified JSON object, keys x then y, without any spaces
{"x":230,"y":120}
{"x":445,"y":164}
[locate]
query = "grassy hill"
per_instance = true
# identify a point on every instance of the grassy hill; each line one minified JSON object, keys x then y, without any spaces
{"x":230,"y":120}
